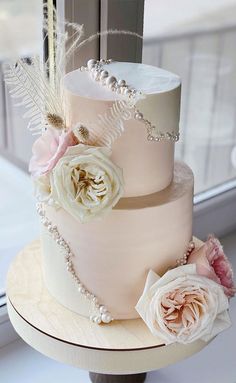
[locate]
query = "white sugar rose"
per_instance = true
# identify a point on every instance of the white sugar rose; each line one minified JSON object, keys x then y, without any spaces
{"x":183,"y":306}
{"x":86,"y":183}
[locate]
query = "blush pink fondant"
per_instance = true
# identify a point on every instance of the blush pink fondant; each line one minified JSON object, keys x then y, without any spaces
{"x":114,"y":255}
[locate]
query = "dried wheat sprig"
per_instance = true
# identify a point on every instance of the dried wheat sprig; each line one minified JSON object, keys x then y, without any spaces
{"x":55,"y":121}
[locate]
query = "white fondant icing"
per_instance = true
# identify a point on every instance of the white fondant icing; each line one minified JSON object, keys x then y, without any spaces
{"x":113,"y":255}
{"x":145,"y":78}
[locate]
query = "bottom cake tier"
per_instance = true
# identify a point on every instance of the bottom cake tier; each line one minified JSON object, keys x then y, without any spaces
{"x":112,"y":256}
{"x":119,"y":348}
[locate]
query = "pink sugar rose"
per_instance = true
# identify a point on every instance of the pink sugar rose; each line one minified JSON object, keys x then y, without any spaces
{"x":211,"y":262}
{"x":48,"y":149}
{"x":183,"y":306}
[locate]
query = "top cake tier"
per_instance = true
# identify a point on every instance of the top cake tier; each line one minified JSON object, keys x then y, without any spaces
{"x":147,"y":165}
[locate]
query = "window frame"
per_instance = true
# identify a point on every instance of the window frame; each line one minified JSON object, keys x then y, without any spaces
{"x":214,"y":211}
{"x":112,"y":17}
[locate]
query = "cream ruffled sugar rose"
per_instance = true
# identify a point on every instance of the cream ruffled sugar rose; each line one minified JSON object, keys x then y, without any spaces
{"x":79,"y":178}
{"x":190,"y":302}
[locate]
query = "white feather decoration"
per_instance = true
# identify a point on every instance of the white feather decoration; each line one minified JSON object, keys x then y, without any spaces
{"x":43,"y":96}
{"x":29,"y":84}
{"x":110,"y":125}
{"x":28,"y":79}
{"x":22,"y":87}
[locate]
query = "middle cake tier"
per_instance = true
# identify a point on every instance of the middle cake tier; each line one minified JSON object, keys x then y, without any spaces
{"x":112,"y":256}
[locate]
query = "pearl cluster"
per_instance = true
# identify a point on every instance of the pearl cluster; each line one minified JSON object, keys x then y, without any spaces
{"x":103,"y":315}
{"x":183,"y":261}
{"x":95,"y":68}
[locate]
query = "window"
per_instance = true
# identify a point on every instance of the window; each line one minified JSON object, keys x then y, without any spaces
{"x":196,"y":40}
{"x":18,"y":221}
{"x":24,"y":16}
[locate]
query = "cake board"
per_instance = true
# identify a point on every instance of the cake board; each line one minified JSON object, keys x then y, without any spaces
{"x":122,"y":351}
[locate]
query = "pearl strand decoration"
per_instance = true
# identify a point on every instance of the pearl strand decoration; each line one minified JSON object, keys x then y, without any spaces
{"x":97,"y":73}
{"x":184,"y":259}
{"x":104,"y":316}
{"x":95,"y":68}
{"x":151,"y":129}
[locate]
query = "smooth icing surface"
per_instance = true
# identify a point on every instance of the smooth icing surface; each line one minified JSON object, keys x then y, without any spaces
{"x":147,"y":166}
{"x":114,"y":255}
{"x":145,"y":78}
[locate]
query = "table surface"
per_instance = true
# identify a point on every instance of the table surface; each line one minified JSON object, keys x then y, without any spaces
{"x":121,"y":347}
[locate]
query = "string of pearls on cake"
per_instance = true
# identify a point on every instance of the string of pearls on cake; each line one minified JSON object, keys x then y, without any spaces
{"x":103,"y":316}
{"x":98,"y":73}
{"x":184,"y":259}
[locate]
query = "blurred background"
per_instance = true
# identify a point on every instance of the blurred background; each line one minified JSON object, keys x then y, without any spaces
{"x":194,"y":39}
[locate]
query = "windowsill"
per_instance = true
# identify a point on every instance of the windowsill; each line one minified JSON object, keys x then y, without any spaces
{"x":219,"y":353}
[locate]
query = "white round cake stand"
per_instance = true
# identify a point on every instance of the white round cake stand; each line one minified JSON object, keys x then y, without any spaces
{"x":121,"y":352}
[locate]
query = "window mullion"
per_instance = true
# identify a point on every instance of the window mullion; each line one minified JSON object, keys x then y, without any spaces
{"x":122,"y":15}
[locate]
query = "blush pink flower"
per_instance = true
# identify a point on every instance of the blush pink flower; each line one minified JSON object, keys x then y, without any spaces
{"x":48,"y":149}
{"x":183,"y":306}
{"x":211,"y":262}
